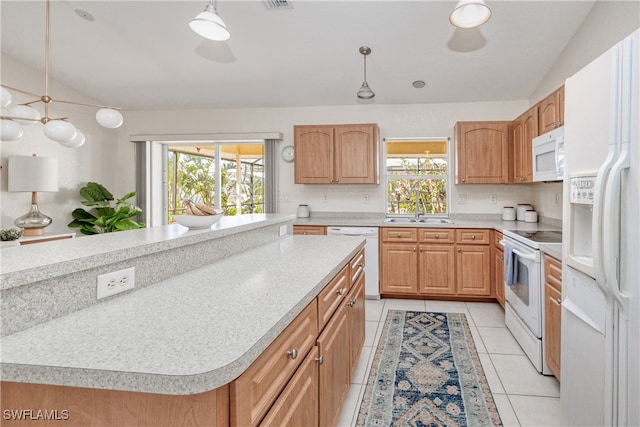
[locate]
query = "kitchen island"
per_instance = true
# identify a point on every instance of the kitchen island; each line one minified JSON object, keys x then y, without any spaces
{"x":187,"y":336}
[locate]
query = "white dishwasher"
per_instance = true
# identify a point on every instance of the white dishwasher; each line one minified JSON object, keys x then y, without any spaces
{"x":371,"y":287}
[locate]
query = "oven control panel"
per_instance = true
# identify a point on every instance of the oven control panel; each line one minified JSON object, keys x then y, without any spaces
{"x":582,"y":189}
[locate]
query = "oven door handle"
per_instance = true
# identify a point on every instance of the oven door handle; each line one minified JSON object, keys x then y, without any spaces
{"x":523,"y":255}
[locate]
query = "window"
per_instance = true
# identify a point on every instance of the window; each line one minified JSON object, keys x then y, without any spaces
{"x":227,"y":176}
{"x":417,"y":176}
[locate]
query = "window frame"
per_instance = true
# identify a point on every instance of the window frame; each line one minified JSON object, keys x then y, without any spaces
{"x":447,"y":177}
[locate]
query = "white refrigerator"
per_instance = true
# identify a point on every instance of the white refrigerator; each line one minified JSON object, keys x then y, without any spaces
{"x":600,"y":345}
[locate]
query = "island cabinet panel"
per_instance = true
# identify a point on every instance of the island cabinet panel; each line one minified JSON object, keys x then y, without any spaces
{"x":313,"y":230}
{"x":356,"y":266}
{"x":332,"y":296}
{"x":336,"y":154}
{"x":335,"y":373}
{"x":112,"y":408}
{"x":253,"y":393}
{"x":356,"y":316}
{"x":482,"y":152}
{"x":298,"y":402}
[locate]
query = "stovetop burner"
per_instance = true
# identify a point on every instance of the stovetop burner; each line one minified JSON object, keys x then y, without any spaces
{"x":542,"y":236}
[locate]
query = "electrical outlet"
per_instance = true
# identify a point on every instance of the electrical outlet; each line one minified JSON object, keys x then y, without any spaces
{"x":284,"y":197}
{"x":365,"y":199}
{"x":115,"y":282}
{"x":557,"y":199}
{"x":493,"y":198}
{"x":283,"y":230}
{"x":462,"y":199}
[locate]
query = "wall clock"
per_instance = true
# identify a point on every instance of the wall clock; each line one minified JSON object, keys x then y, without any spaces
{"x":287,"y":153}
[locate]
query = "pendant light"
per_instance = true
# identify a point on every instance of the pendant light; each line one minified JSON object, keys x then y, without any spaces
{"x":209,"y":25}
{"x":56,"y":129}
{"x":470,"y":14}
{"x":365,"y":91}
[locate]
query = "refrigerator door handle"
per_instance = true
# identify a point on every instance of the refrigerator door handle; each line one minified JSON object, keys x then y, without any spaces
{"x":598,"y":217}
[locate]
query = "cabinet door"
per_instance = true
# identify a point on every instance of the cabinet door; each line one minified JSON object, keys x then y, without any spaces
{"x":334,"y":377}
{"x":517,"y":144}
{"x":355,"y":304}
{"x":482,"y":152}
{"x":498,"y":275}
{"x":356,"y":154}
{"x":436,"y":269}
{"x":549,"y":113}
{"x":298,"y":402}
{"x":398,"y":268}
{"x":473,"y":270}
{"x":552,"y":329}
{"x":314,"y":230}
{"x":314,"y":154}
{"x":530,"y":131}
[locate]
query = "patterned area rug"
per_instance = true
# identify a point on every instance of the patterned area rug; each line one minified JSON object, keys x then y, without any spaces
{"x":426,"y":372}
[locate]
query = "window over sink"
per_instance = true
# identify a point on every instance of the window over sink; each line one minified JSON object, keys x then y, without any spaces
{"x":417,"y":176}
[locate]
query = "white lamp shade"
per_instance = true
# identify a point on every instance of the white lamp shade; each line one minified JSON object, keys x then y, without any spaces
{"x":209,"y":25}
{"x":59,"y":130}
{"x":27,"y":112}
{"x":109,"y":118}
{"x":76,"y":142}
{"x":470,"y":14}
{"x":365,"y":92}
{"x":32,"y":173}
{"x":5,"y":97}
{"x":10,"y":130}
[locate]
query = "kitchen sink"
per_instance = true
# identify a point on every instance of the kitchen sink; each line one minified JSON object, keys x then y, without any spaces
{"x":421,"y":220}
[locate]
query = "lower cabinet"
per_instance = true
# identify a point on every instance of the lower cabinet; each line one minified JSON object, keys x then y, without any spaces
{"x":553,"y":313}
{"x":398,"y":268}
{"x":498,"y":268}
{"x":437,"y":271}
{"x":356,"y":316}
{"x":473,"y":270}
{"x":314,"y":230}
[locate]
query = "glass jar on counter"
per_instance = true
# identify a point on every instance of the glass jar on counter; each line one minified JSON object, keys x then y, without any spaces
{"x":521,"y":209}
{"x":508,"y":213}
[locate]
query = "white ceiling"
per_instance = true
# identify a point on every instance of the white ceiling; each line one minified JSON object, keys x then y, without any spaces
{"x":142,"y":54}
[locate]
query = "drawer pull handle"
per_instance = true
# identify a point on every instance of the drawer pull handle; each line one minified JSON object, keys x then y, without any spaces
{"x":351,"y":303}
{"x":361,"y":265}
{"x":559,"y":301}
{"x":292,"y":353}
{"x":340,"y":291}
{"x":319,"y":360}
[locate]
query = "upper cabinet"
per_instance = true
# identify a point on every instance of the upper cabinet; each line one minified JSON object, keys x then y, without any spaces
{"x":523,"y":130}
{"x":482,"y":152}
{"x":336,"y":154}
{"x":551,"y":111}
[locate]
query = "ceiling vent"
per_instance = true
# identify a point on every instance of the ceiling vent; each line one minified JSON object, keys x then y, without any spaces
{"x":277,"y":4}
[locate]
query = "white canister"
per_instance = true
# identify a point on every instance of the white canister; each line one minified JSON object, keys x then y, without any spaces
{"x":303,"y":211}
{"x":521,"y":209}
{"x":531,"y":216}
{"x":508,"y":213}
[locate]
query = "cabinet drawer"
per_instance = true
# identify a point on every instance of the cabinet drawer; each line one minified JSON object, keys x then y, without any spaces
{"x":315,"y":230}
{"x":497,"y":236}
{"x":553,"y":272}
{"x":331,"y":296}
{"x":436,"y":235}
{"x":253,"y":392}
{"x":356,"y":266}
{"x":399,"y":234}
{"x":473,"y":236}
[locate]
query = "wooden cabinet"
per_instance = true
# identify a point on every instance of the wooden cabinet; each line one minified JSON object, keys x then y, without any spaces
{"x":253,"y":392}
{"x":298,"y":402}
{"x":334,"y":371}
{"x":332,"y":296}
{"x":482,"y":152}
{"x":497,"y":274}
{"x":356,"y":317}
{"x":29,"y":240}
{"x":398,"y":268}
{"x":551,"y":111}
{"x":336,"y":154}
{"x":436,"y":269}
{"x":553,"y":310}
{"x":473,"y":264}
{"x":523,"y":130}
{"x":315,"y":230}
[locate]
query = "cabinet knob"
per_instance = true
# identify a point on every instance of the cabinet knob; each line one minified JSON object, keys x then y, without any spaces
{"x":293,"y":353}
{"x":463,"y":180}
{"x":304,"y":232}
{"x":340,"y":291}
{"x":421,"y":249}
{"x":559,"y":301}
{"x":319,"y":360}
{"x":459,"y":250}
{"x":337,"y":180}
{"x":351,"y":303}
{"x":361,"y":265}
{"x":473,"y":237}
{"x":414,"y":249}
{"x":437,"y":236}
{"x":522,"y":178}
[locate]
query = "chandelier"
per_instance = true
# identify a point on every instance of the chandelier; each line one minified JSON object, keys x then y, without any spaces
{"x":58,"y":129}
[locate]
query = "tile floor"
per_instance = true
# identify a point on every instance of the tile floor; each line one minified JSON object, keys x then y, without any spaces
{"x":522,"y":395}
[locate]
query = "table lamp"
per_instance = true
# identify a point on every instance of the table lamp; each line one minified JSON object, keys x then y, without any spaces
{"x":33,"y":174}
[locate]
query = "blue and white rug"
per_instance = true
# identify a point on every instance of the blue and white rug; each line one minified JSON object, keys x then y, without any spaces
{"x":426,"y":372}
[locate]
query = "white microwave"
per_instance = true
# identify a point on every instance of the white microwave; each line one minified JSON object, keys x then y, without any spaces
{"x":548,"y":156}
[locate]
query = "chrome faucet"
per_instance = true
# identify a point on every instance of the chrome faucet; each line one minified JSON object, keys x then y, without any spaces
{"x":417,"y":204}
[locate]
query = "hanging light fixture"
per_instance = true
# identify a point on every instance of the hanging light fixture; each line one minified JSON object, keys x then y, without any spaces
{"x":365,"y":91}
{"x":470,"y":14}
{"x":209,"y":25}
{"x":57,"y":129}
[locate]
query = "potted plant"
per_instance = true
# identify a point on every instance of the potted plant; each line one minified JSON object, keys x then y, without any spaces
{"x":109,"y":215}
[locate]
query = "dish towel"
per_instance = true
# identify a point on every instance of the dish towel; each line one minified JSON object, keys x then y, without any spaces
{"x":510,"y":265}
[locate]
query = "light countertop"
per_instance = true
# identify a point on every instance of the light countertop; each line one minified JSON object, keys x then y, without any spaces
{"x":185,"y":335}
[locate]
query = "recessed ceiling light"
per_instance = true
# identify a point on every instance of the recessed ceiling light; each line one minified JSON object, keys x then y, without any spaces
{"x":85,"y":15}
{"x":418,"y":84}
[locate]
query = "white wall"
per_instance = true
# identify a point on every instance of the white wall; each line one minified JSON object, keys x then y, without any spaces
{"x":94,"y":161}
